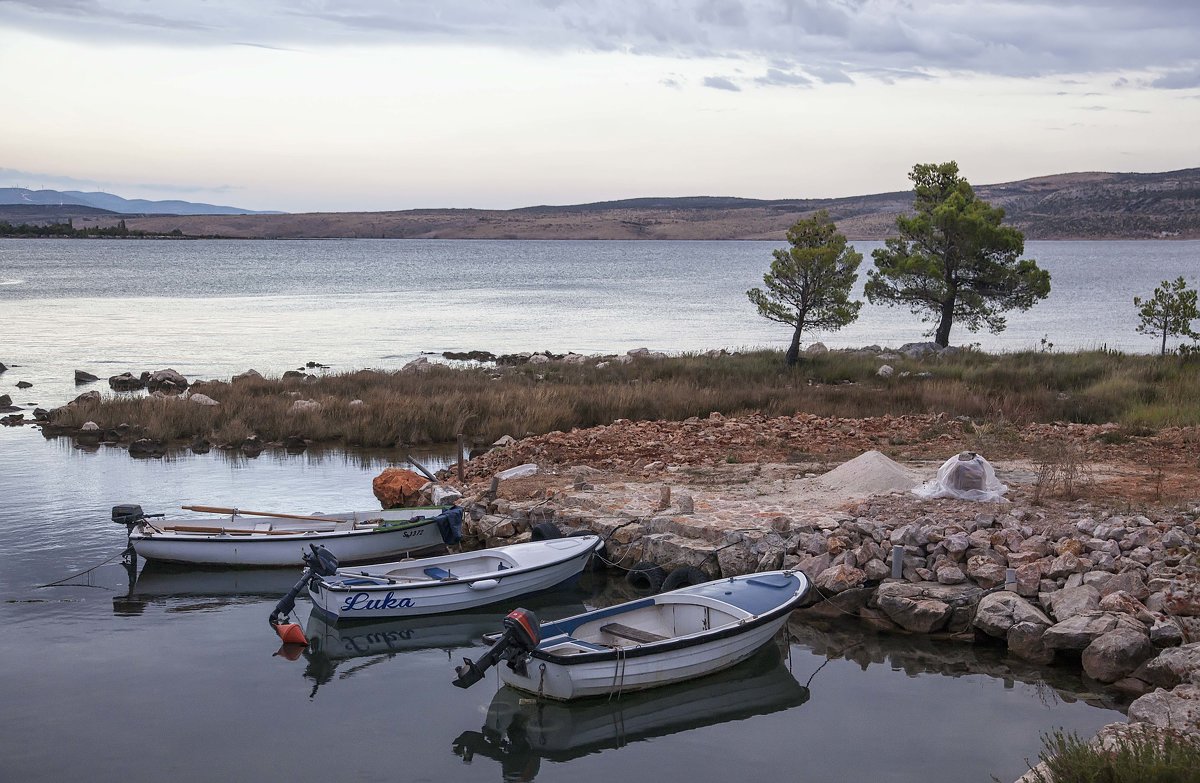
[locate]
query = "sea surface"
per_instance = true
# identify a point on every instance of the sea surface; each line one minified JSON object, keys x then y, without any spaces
{"x":152,"y":673}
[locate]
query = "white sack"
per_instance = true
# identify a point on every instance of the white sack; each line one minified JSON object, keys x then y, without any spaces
{"x":965,"y":476}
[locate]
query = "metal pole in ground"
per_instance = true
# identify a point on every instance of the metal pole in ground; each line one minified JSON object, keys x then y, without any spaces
{"x":462,"y":458}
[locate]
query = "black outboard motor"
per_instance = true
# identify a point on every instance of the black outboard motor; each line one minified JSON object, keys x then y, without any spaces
{"x":319,"y":562}
{"x":522,"y":632}
{"x":127,"y":514}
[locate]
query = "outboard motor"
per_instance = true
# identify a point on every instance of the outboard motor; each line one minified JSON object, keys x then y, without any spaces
{"x":131,"y":515}
{"x":127,"y":514}
{"x":522,"y":632}
{"x":319,"y":562}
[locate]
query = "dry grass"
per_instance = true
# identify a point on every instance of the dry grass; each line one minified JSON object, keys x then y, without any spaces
{"x":413,"y":408}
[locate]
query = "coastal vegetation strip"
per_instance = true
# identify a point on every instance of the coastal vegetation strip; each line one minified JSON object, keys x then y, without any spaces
{"x":67,"y":230}
{"x":430,"y":403}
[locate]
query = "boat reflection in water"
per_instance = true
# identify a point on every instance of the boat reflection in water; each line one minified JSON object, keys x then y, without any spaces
{"x":180,"y":585}
{"x":330,"y":644}
{"x":520,"y":731}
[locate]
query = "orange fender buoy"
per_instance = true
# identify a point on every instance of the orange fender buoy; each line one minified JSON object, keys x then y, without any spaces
{"x":290,"y":633}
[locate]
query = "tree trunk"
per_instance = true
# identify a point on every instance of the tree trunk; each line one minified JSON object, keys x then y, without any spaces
{"x":1164,"y":344}
{"x":793,"y":351}
{"x":942,"y":335}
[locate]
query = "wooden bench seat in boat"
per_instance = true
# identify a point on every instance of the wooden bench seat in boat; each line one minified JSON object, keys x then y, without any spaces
{"x":632,"y":634}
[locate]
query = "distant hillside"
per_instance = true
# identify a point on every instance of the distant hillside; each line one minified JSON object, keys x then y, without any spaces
{"x":1088,"y":205}
{"x":49,"y":213}
{"x":111,"y":203}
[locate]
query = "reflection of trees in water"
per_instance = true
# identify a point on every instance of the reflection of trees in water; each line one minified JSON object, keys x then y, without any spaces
{"x":918,"y":654}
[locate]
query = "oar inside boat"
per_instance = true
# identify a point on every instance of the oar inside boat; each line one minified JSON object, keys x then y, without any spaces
{"x":319,"y":562}
{"x":521,"y":637}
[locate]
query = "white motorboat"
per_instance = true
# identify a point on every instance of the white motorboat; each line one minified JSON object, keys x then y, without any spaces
{"x":663,"y":639}
{"x":262,"y":539}
{"x":450,"y":583}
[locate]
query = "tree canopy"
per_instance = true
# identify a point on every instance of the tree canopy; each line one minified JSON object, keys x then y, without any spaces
{"x":954,"y":261}
{"x":1169,"y":312}
{"x":809,"y":284}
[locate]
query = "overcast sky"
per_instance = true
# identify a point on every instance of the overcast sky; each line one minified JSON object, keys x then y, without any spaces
{"x":384,"y":104}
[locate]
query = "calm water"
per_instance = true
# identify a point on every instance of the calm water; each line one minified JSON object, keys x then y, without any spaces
{"x":175,"y":674}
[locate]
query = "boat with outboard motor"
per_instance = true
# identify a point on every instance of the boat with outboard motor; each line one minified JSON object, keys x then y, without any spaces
{"x":267,"y":539}
{"x":662,"y":639}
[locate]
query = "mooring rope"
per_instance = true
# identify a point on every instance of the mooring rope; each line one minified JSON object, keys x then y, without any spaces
{"x":82,"y":573}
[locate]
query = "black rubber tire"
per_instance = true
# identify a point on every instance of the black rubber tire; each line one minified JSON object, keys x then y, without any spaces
{"x":594,"y":563}
{"x":544,"y":531}
{"x":646,"y":576}
{"x":684,"y":576}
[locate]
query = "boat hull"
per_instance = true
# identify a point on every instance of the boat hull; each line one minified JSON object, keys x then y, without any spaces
{"x":553,"y":680}
{"x":386,"y":601}
{"x":249,"y":551}
{"x":668,"y":638}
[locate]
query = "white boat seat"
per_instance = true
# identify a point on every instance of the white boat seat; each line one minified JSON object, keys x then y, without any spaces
{"x":632,"y":634}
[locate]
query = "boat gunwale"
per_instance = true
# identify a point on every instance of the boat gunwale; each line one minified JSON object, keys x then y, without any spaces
{"x":506,"y":573}
{"x":304,"y":535}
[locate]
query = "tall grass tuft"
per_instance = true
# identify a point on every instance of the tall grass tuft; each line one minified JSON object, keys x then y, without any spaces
{"x":1168,"y":757}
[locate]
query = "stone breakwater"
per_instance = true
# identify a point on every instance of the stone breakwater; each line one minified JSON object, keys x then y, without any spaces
{"x":1085,"y":582}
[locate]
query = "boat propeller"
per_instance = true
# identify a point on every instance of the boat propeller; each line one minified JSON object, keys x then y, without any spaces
{"x":319,"y":562}
{"x":521,"y":636}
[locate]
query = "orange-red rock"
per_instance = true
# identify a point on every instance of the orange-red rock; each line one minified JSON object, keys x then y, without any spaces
{"x":398,"y":488}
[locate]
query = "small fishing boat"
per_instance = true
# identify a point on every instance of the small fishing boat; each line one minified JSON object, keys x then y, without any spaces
{"x":267,"y":539}
{"x":434,"y":585}
{"x":667,"y":638}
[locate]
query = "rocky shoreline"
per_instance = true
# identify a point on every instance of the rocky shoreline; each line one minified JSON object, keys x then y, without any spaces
{"x":1094,"y":582}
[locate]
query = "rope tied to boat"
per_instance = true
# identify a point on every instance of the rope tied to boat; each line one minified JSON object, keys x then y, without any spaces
{"x":82,"y":573}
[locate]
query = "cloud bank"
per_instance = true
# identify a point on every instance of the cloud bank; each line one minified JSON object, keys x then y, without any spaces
{"x":800,"y":40}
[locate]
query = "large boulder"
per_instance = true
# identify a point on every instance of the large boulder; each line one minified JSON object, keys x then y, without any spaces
{"x":924,"y":607}
{"x":1080,"y":631}
{"x":248,"y":375}
{"x":399,"y":488}
{"x":1129,"y":582}
{"x":167,"y":381}
{"x":1175,"y":709}
{"x":999,"y":612}
{"x":82,"y":376}
{"x":1026,"y":640}
{"x":1173,"y":666}
{"x":839,"y":578}
{"x":126,"y":382}
{"x":147,"y":447}
{"x":1074,"y":601}
{"x":1116,"y":654}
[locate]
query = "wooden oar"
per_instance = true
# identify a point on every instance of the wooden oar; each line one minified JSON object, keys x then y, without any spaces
{"x":245,"y":513}
{"x":233,"y":531}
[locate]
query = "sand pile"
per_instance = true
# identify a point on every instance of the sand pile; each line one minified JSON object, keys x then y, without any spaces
{"x":869,"y":473}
